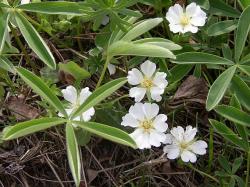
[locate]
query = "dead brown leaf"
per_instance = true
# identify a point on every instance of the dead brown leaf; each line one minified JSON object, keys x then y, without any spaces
{"x":20,"y":109}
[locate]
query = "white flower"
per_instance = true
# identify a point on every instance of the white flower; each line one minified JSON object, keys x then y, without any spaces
{"x":150,"y":126}
{"x":148,"y":81}
{"x":70,"y":94}
{"x":183,"y":144}
{"x":181,"y":20}
{"x":25,"y":2}
{"x":111,"y":69}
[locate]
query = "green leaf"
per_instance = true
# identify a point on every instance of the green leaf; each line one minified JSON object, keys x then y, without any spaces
{"x":242,"y":91}
{"x":141,"y":28}
{"x":29,"y":127}
{"x":234,"y":114}
{"x":228,"y":134}
{"x":75,"y":70}
{"x":129,"y":48}
{"x":41,"y":89}
{"x":222,"y":27}
{"x":35,"y":41}
{"x":219,"y":87}
{"x":224,"y":163}
{"x":2,"y":5}
{"x":200,"y":58}
{"x":100,"y":94}
{"x":245,"y":69}
{"x":6,"y":64}
{"x":4,"y":19}
{"x":242,"y":33}
{"x":179,"y":71}
{"x":107,"y":132}
{"x":59,"y":7}
{"x":244,"y":3}
{"x":73,"y":154}
{"x":221,"y":8}
{"x":236,"y":165}
{"x":159,"y":42}
{"x":203,"y":3}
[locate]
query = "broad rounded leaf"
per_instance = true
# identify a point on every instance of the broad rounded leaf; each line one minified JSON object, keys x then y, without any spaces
{"x":219,"y":87}
{"x":100,"y":94}
{"x":41,"y":89}
{"x":200,"y":58}
{"x":108,"y":132}
{"x":35,"y":41}
{"x":29,"y":127}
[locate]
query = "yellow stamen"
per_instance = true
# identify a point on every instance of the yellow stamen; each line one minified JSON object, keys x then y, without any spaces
{"x":147,"y":83}
{"x":146,"y":125}
{"x":184,"y":20}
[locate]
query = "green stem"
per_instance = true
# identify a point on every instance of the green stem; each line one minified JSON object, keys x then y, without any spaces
{"x":248,"y":168}
{"x":103,"y":72}
{"x":203,"y":173}
{"x":211,"y":148}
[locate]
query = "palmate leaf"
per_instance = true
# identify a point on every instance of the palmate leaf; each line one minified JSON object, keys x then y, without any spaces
{"x":41,"y":89}
{"x":35,"y":41}
{"x":219,"y":87}
{"x":107,"y":132}
{"x":99,"y":95}
{"x":29,"y":127}
{"x":73,"y":154}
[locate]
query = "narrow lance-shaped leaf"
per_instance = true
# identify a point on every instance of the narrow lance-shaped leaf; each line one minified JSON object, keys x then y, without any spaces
{"x":29,"y":127}
{"x":4,"y":19}
{"x":100,"y":94}
{"x":41,"y":89}
{"x":222,"y":27}
{"x":228,"y":134}
{"x":245,"y":69}
{"x":35,"y":41}
{"x":141,"y":28}
{"x":6,"y":64}
{"x":234,"y":114}
{"x":108,"y":132}
{"x":200,"y":58}
{"x":242,"y":33}
{"x":129,"y":48}
{"x":73,"y":154}
{"x":219,"y":87}
{"x":242,"y":91}
{"x":56,"y":7}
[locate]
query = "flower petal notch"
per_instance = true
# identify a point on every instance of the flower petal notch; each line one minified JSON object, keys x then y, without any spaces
{"x":147,"y":81}
{"x":75,"y":99}
{"x":182,"y":143}
{"x":182,"y":20}
{"x":150,"y":127}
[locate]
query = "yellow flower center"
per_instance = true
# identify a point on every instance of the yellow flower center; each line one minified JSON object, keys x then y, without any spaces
{"x":147,"y":125}
{"x":147,"y":83}
{"x":184,"y":20}
{"x":183,"y":145}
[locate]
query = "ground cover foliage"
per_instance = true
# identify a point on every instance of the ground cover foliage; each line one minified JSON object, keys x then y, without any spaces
{"x":124,"y":93}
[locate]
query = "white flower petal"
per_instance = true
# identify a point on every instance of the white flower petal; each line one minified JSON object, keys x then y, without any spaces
{"x":168,"y":139}
{"x":25,"y":2}
{"x":129,"y":120}
{"x":159,"y":136}
{"x":141,"y":139}
{"x":172,"y":151}
{"x":160,"y":123}
{"x":154,"y":139}
{"x":178,"y":133}
{"x":84,"y":94}
{"x":175,"y":28}
{"x":135,"y":77}
{"x":187,"y":156}
{"x":150,"y":110}
{"x":70,"y":94}
{"x":174,"y":14}
{"x":189,"y":133}
{"x":105,"y":20}
{"x":160,"y":80}
{"x":148,"y":68}
{"x":190,"y":28}
{"x":111,"y":69}
{"x":137,"y":93}
{"x":136,"y":111}
{"x":156,"y":93}
{"x":86,"y":116}
{"x":191,"y":9}
{"x":199,"y":147}
{"x":198,"y":21}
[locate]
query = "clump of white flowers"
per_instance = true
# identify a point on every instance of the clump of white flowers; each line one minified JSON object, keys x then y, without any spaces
{"x":183,"y":144}
{"x":148,"y":82}
{"x":76,"y":99}
{"x":183,"y":20}
{"x":150,"y":126}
